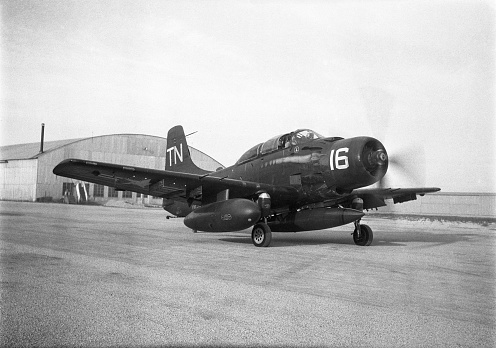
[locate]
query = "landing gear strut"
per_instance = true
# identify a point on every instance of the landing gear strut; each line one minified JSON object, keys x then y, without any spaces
{"x":362,"y":235}
{"x":261,"y":235}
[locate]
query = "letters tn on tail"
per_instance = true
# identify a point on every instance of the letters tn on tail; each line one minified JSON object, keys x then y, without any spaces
{"x":178,"y":156}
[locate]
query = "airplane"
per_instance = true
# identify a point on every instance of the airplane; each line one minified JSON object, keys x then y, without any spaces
{"x":297,"y":181}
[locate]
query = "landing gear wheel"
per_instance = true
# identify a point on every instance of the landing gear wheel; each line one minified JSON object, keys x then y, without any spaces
{"x":365,"y":237}
{"x":261,"y":235}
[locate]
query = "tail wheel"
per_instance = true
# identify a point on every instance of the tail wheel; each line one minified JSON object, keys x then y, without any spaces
{"x":365,"y":237}
{"x":261,"y":235}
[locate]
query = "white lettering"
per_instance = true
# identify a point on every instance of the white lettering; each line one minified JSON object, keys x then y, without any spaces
{"x":178,"y":154}
{"x":169,"y":151}
{"x":342,"y":158}
{"x":339,"y":161}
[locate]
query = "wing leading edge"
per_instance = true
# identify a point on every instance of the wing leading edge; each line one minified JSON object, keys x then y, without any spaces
{"x":374,"y":197}
{"x":164,"y":183}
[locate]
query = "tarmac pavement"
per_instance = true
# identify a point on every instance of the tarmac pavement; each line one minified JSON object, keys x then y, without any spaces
{"x":98,"y":276}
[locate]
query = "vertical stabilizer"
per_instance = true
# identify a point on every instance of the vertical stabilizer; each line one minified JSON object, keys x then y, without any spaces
{"x":178,"y":156}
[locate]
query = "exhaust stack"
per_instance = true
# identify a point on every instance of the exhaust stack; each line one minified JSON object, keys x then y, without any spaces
{"x":42,"y":137}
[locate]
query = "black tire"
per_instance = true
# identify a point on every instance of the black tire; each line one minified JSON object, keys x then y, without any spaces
{"x":261,"y":235}
{"x":366,"y":236}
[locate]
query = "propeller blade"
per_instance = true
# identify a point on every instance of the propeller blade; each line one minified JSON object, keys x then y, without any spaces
{"x":406,"y":165}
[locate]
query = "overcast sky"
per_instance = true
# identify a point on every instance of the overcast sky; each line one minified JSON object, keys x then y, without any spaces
{"x":417,"y":75}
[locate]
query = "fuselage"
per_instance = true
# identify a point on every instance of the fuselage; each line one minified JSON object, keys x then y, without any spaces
{"x":318,"y":168}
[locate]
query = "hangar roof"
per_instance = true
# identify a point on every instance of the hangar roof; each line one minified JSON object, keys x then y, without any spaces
{"x":105,"y":148}
{"x":31,"y":150}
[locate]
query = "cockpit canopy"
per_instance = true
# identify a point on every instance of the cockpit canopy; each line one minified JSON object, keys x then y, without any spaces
{"x":298,"y":137}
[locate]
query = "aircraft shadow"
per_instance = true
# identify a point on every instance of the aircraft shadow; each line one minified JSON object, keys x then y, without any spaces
{"x":287,"y":239}
{"x":430,"y":239}
{"x":281,"y":239}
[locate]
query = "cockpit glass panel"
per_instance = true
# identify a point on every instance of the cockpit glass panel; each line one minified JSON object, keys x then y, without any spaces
{"x":250,"y":154}
{"x":302,"y":136}
{"x":270,"y":145}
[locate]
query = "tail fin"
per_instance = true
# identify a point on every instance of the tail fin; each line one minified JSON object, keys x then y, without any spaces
{"x":178,"y":156}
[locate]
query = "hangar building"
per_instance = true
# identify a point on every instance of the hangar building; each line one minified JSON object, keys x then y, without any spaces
{"x":26,"y":169}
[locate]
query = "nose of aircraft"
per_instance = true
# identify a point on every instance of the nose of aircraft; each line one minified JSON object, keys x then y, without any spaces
{"x":356,"y":162}
{"x":375,"y":157}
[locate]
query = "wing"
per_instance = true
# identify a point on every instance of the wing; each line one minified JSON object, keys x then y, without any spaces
{"x":374,"y":197}
{"x":166,"y":184}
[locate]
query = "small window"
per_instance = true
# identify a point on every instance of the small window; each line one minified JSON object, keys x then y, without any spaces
{"x":98,"y":190}
{"x":112,"y":192}
{"x":127,"y":194}
{"x":68,"y":188}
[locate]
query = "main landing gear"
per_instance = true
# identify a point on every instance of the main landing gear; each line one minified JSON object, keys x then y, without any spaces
{"x":261,"y":235}
{"x":363,"y":234}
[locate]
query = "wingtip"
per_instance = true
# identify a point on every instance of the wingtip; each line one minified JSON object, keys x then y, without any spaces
{"x":430,"y":190}
{"x":58,"y":169}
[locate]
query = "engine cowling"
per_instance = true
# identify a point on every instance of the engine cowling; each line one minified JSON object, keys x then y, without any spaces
{"x":355,"y":162}
{"x":225,"y":216}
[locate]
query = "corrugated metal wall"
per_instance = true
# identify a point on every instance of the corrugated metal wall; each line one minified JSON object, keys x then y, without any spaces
{"x":18,"y":180}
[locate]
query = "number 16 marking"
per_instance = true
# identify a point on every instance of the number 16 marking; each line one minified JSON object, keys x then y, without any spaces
{"x":340,"y":161}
